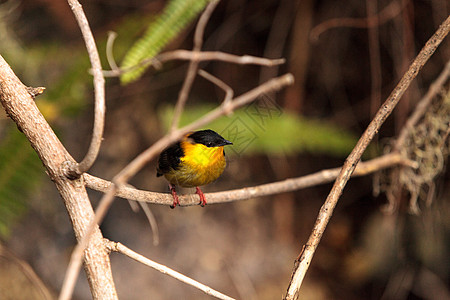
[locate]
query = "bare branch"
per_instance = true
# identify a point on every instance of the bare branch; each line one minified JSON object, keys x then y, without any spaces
{"x":272,"y":85}
{"x":386,"y":109}
{"x":151,"y":220}
{"x":109,"y":50}
{"x":99,"y":87}
{"x":134,"y":166}
{"x":118,"y":247}
{"x":229,"y":93}
{"x":421,"y":108}
{"x":288,"y":185}
{"x":22,"y":109}
{"x":193,"y":64}
{"x":389,"y":12}
{"x":199,"y":56}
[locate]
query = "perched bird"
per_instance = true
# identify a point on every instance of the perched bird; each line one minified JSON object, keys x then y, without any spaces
{"x":197,"y":159}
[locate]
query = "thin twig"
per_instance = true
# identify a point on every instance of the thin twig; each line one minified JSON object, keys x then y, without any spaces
{"x":110,"y":52}
{"x":199,"y":56}
{"x":193,"y":64}
{"x":99,"y":88}
{"x":118,"y":247}
{"x":389,"y":12}
{"x":421,"y":108}
{"x":142,"y":159}
{"x":152,"y":221}
{"x":386,"y":109}
{"x":229,"y":93}
{"x":288,"y":185}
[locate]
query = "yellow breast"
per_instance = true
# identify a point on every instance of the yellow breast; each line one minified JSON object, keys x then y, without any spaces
{"x":199,"y":166}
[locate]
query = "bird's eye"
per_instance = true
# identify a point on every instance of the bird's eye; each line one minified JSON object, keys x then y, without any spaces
{"x":209,"y":144}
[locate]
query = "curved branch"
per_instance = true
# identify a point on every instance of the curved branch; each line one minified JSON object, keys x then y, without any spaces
{"x":288,"y":185}
{"x":99,"y":86}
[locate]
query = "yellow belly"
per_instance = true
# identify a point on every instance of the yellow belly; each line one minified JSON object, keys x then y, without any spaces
{"x":199,"y":166}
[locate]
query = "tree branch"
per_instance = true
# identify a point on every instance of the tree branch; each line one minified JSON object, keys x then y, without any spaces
{"x":193,"y":64}
{"x":118,"y":247}
{"x":20,"y":106}
{"x":198,"y":56}
{"x":288,"y":185}
{"x":326,"y":210}
{"x":99,"y":87}
{"x":389,"y":12}
{"x":134,"y":166}
{"x":421,"y":108}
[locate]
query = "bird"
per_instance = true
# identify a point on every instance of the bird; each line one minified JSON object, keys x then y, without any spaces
{"x":195,"y":160}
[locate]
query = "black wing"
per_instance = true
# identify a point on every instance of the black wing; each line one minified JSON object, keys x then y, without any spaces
{"x":169,"y":159}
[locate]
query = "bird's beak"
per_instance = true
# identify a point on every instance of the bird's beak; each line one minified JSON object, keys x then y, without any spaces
{"x":225,"y":142}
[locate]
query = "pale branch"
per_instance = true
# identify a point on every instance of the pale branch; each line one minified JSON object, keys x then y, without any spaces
{"x":142,"y":159}
{"x":229,"y":93}
{"x":109,"y":50}
{"x":22,"y":109}
{"x":288,"y":185}
{"x":352,"y":160}
{"x":198,"y":56}
{"x":193,"y":65}
{"x":423,"y":105}
{"x":76,"y":170}
{"x":120,"y":248}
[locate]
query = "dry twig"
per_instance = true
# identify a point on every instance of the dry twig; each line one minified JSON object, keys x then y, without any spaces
{"x":199,"y":56}
{"x":193,"y":64}
{"x":76,"y":170}
{"x":389,"y":12}
{"x":118,"y":247}
{"x":141,"y":160}
{"x":386,"y":109}
{"x":288,"y":185}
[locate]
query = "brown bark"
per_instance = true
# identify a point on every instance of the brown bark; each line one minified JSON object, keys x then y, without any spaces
{"x":20,"y":106}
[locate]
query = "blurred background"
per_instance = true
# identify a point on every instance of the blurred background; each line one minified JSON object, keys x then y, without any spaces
{"x":343,"y":68}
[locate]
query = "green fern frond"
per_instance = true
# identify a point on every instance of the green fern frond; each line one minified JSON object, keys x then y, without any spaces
{"x":20,"y":173}
{"x":174,"y":18}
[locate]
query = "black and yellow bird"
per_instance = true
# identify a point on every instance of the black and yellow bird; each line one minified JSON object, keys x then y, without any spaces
{"x":197,"y":159}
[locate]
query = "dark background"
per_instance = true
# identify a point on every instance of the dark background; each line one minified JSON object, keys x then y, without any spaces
{"x":244,"y":249}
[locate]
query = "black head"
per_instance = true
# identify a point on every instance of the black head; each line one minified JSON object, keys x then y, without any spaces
{"x":208,"y":138}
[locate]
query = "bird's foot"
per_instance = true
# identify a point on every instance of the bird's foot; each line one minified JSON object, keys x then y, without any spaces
{"x":176,"y":201}
{"x":201,"y":195}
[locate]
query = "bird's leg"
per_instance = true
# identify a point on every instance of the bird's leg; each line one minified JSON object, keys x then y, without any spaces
{"x":201,"y":195}
{"x":176,"y":201}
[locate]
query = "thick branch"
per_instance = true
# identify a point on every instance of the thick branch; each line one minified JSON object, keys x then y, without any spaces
{"x":352,"y":160}
{"x":288,"y":185}
{"x":20,"y":106}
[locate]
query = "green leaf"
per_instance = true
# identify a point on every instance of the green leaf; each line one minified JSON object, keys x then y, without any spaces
{"x":175,"y":17}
